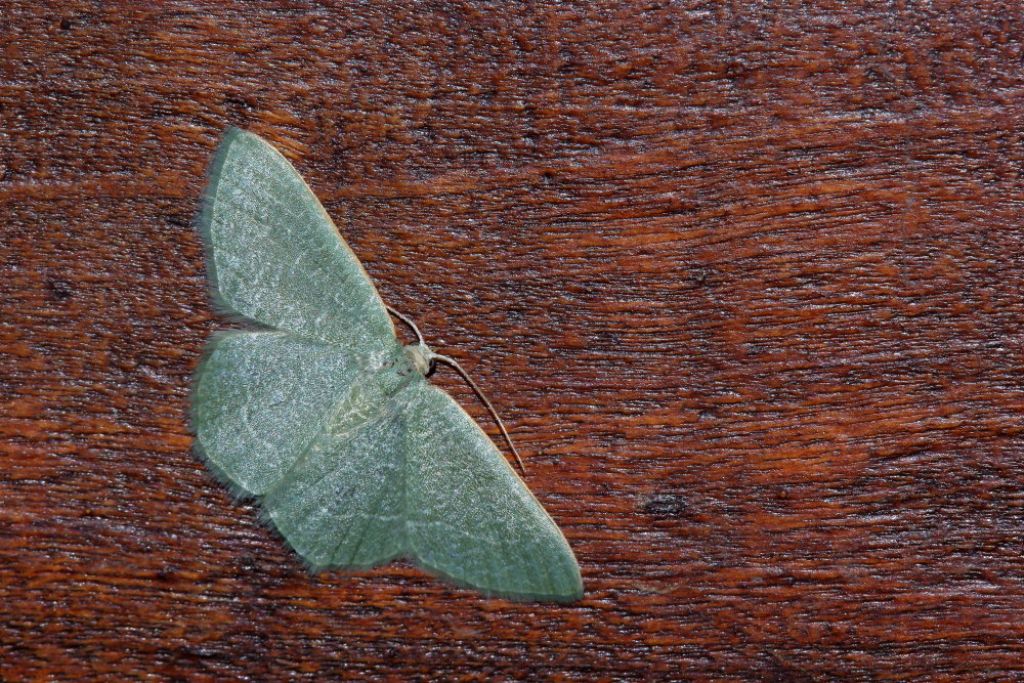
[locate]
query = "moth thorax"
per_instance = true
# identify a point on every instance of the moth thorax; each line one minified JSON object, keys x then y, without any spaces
{"x":419,"y":355}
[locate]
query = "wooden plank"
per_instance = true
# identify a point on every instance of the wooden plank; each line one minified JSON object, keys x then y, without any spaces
{"x":744,"y":281}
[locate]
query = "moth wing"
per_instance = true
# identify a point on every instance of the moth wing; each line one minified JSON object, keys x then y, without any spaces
{"x":260,"y":398}
{"x":343,"y":503}
{"x":469,"y":516}
{"x":275,"y":257}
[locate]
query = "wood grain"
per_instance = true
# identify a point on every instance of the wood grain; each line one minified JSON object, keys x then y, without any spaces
{"x":745,"y":281}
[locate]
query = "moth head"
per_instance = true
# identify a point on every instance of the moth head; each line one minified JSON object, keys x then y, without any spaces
{"x":422,"y":358}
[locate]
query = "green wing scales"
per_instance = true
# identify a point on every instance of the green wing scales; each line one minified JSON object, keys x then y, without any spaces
{"x":275,"y":257}
{"x":422,"y":480}
{"x":468,"y":514}
{"x":261,"y":398}
{"x":343,"y":504}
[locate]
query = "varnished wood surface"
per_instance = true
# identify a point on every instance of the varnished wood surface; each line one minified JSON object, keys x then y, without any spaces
{"x":745,"y":282}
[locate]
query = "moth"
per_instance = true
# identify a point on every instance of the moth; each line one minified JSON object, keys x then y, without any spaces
{"x":323,"y":415}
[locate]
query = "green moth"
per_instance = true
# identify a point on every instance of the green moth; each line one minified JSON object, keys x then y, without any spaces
{"x":322,"y":414}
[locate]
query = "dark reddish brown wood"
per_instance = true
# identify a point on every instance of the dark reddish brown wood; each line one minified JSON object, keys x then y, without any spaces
{"x":746,"y":283}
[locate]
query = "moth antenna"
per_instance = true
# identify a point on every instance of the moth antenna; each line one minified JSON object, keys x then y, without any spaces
{"x":480,"y":394}
{"x":407,"y":321}
{"x":469,"y":380}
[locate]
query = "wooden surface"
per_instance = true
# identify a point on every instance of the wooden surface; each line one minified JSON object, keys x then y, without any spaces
{"x":746,"y":283}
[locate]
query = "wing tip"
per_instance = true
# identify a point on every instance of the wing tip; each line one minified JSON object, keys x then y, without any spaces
{"x":213,"y":176}
{"x":204,"y":218}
